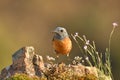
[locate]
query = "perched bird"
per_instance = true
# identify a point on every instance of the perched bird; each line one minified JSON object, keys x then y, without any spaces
{"x":61,"y":41}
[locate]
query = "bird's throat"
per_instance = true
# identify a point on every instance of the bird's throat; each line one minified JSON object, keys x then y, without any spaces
{"x":58,"y":36}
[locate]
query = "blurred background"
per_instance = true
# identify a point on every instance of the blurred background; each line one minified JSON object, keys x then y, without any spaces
{"x":30,"y":22}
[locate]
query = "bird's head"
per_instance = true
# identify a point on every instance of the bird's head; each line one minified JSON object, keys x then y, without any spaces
{"x":60,"y":33}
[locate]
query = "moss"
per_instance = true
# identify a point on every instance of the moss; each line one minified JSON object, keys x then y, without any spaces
{"x":64,"y":72}
{"x":24,"y":77}
{"x":61,"y":76}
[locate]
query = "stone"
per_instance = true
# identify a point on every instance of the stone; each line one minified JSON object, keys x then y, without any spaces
{"x":38,"y":65}
{"x":24,"y":61}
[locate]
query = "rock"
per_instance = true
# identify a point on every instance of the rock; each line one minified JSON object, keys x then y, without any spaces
{"x":27,"y":63}
{"x":38,"y":65}
{"x":5,"y":73}
{"x":71,"y":72}
{"x":24,"y":61}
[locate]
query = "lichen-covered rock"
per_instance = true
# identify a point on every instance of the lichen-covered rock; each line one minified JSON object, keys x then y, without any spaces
{"x":29,"y":66}
{"x":24,"y":61}
{"x":38,"y":65}
{"x":71,"y":72}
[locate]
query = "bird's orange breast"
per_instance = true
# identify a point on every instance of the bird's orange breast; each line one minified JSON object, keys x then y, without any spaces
{"x":62,"y":46}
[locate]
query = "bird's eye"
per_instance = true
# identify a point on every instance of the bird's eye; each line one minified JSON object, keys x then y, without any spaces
{"x":61,"y":30}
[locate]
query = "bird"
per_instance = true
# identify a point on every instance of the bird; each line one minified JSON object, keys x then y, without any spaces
{"x":61,"y":42}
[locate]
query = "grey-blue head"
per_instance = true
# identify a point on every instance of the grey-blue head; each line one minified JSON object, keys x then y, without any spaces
{"x":60,"y":33}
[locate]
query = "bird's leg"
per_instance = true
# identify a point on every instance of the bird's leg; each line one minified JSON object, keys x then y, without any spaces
{"x":68,"y":55}
{"x":57,"y":55}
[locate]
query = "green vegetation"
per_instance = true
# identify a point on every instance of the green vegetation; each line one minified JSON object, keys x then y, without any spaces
{"x":24,"y":77}
{"x":92,"y":57}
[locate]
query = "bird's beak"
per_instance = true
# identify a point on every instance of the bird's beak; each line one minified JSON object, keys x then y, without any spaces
{"x":54,"y":31}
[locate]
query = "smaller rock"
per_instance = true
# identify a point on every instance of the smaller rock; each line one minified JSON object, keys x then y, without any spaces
{"x":24,"y":61}
{"x":38,"y":65}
